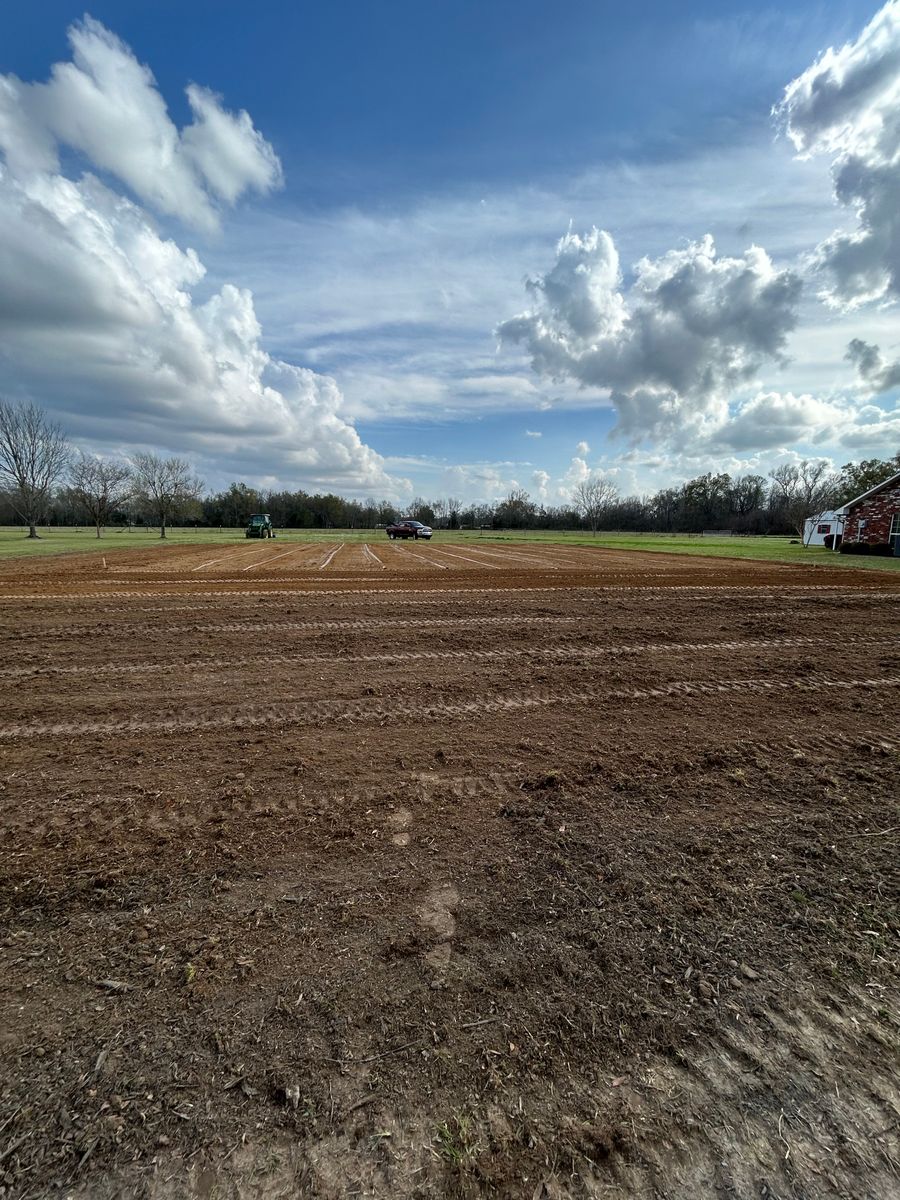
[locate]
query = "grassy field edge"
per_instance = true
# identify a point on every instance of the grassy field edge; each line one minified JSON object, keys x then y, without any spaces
{"x":55,"y":541}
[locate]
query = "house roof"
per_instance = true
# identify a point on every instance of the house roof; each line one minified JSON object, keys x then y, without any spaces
{"x":871,"y":492}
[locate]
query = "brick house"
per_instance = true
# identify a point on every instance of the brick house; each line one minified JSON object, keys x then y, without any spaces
{"x":875,"y":515}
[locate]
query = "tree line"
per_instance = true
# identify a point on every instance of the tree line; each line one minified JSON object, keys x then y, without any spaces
{"x":44,"y":482}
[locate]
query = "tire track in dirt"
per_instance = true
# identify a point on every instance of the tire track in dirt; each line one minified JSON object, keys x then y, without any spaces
{"x":368,"y":552}
{"x":462,"y":599}
{"x":226,"y":558}
{"x":544,"y":563}
{"x":404,"y":656}
{"x":405,"y":550}
{"x":339,"y":626}
{"x":467,"y":558}
{"x":417,"y":788}
{"x":330,"y":557}
{"x":319,"y":712}
{"x":838,"y":591}
{"x":284,"y":554}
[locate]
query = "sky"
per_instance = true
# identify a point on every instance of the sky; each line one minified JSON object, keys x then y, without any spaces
{"x":452,"y":249}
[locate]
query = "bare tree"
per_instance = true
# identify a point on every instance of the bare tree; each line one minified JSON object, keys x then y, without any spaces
{"x":804,"y":490}
{"x":592,"y":497}
{"x":33,"y":456}
{"x":164,"y":486}
{"x":99,"y":487}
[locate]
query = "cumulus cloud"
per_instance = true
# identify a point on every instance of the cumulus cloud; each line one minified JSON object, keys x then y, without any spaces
{"x":98,"y":317}
{"x":778,"y":420}
{"x":847,"y":105}
{"x":540,"y":481}
{"x":577,"y":472}
{"x":693,"y":326}
{"x":874,"y":373}
{"x":582,"y":448}
{"x":105,"y":104}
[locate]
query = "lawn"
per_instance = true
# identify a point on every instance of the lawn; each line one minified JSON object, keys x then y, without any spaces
{"x":13,"y":542}
{"x":65,"y":540}
{"x":772,"y":549}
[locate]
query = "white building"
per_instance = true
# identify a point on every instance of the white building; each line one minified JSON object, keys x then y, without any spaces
{"x":817,"y":528}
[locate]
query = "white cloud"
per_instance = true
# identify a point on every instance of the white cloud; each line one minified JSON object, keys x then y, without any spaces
{"x":583,"y":449}
{"x":578,"y":471}
{"x":516,"y":386}
{"x":486,"y":481}
{"x":98,"y":318}
{"x":414,"y":287}
{"x":533,"y":433}
{"x":540,"y":482}
{"x":847,"y":106}
{"x":105,"y":104}
{"x":693,"y":327}
{"x":875,"y":374}
{"x":775,"y":421}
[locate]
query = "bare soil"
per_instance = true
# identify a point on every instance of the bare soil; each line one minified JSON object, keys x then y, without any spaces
{"x":374,"y":871}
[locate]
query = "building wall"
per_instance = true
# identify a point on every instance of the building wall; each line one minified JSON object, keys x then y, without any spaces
{"x":876,"y":512}
{"x":815,"y":529}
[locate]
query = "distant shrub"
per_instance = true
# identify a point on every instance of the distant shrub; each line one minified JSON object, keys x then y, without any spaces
{"x":828,"y":539}
{"x":883,"y":549}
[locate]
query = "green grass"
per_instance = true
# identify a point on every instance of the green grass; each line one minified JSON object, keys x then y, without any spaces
{"x":13,"y":542}
{"x":771,"y":549}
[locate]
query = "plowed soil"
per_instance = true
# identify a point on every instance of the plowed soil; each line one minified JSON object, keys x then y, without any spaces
{"x":421,"y":870}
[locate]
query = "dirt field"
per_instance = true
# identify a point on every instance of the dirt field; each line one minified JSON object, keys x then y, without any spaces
{"x":404,"y":871}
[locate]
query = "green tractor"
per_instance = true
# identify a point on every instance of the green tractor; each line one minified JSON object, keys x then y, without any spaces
{"x":260,"y":526}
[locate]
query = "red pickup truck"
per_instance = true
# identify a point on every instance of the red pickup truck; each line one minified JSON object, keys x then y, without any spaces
{"x":409,"y":529}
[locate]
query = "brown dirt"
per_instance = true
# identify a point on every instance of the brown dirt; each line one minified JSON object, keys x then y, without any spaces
{"x":546,"y":874}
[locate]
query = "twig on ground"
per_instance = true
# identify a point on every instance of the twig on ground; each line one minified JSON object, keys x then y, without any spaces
{"x":345,"y":1062}
{"x":13,"y":1146}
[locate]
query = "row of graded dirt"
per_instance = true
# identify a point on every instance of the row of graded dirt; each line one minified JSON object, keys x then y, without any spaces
{"x":247,"y":562}
{"x":481,"y":887}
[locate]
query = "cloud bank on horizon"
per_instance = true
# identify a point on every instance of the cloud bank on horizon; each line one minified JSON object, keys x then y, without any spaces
{"x":97,"y":308}
{"x":694,"y":328}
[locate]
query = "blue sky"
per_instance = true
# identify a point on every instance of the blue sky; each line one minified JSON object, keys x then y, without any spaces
{"x":401,"y":170}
